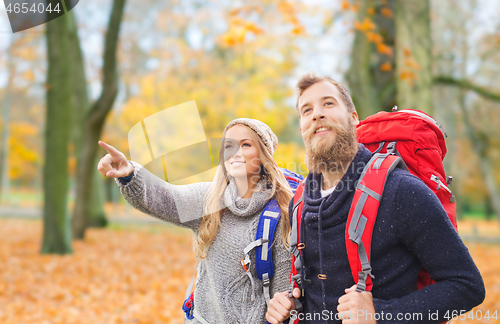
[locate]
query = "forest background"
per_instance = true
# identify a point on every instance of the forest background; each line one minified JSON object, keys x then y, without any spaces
{"x":69,"y":244}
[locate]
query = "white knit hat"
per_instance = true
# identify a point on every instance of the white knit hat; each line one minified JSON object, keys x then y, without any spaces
{"x":264,"y":132}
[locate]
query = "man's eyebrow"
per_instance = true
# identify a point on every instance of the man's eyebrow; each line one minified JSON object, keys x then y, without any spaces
{"x":329,"y":97}
{"x":303,"y":105}
{"x":332,"y":98}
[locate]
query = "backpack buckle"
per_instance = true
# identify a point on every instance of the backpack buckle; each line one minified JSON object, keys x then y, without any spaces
{"x":391,"y":148}
{"x":265,"y":280}
{"x":367,"y":271}
{"x":245,"y":263}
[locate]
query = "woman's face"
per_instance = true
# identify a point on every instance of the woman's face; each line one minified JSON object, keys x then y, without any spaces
{"x":245,"y":162}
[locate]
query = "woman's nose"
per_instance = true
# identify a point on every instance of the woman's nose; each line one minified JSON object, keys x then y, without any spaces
{"x":239,"y":152}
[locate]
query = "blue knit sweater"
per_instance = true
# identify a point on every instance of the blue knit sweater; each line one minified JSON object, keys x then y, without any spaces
{"x":412,"y":230}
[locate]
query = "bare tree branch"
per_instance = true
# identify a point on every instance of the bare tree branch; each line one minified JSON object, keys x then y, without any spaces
{"x":467,"y":85}
{"x":109,"y":90}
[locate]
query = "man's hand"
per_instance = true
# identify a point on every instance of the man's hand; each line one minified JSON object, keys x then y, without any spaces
{"x":356,"y":308}
{"x":114,"y":164}
{"x":280,"y":306}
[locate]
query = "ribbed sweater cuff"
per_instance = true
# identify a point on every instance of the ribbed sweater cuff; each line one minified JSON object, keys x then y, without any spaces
{"x":134,"y":185}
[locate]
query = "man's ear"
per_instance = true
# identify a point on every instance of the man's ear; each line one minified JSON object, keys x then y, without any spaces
{"x":355,"y":119}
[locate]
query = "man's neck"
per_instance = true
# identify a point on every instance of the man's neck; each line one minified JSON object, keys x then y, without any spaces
{"x":332,"y":178}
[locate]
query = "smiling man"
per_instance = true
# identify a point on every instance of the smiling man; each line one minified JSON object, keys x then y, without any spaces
{"x":328,"y":122}
{"x":411,"y":231}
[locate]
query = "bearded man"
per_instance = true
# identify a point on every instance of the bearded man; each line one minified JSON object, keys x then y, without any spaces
{"x":412,"y":230}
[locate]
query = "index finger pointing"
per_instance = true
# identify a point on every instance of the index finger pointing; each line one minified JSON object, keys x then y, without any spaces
{"x":110,"y":149}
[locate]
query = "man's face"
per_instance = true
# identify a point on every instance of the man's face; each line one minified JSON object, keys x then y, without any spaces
{"x":327,"y":128}
{"x":319,"y":104}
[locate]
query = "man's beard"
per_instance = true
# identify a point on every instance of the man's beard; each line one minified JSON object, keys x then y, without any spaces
{"x":328,"y":154}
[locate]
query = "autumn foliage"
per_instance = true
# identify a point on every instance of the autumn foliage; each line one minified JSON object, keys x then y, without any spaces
{"x":369,"y":28}
{"x":115,"y":276}
{"x":239,"y":26}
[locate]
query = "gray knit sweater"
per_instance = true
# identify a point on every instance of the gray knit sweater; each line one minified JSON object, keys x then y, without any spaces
{"x":223,"y":291}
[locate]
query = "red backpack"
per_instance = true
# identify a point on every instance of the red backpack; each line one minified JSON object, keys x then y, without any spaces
{"x":409,"y":139}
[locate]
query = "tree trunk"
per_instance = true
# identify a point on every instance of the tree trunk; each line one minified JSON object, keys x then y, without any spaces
{"x":56,"y":225}
{"x":413,"y":55}
{"x":372,"y":88}
{"x":95,"y":212}
{"x":108,"y":185}
{"x":97,"y":217}
{"x":4,"y":146}
{"x":488,"y":172}
{"x":480,"y":145}
{"x":94,"y":123}
{"x":488,"y":208}
{"x":359,"y":76}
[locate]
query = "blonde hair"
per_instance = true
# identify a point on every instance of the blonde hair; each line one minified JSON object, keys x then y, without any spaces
{"x":212,"y":208}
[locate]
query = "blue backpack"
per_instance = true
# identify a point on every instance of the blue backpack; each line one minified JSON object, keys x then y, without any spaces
{"x":264,"y":238}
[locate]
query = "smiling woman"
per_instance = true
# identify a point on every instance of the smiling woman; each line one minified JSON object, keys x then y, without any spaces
{"x":224,"y":216}
{"x":245,"y":165}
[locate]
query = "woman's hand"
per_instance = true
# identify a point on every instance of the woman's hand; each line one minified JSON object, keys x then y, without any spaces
{"x":114,"y":164}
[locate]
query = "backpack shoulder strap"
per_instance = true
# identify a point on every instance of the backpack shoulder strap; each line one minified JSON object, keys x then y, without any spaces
{"x":298,"y":200}
{"x":362,"y":216}
{"x":268,"y":221}
{"x":292,"y":178}
{"x":295,"y":245}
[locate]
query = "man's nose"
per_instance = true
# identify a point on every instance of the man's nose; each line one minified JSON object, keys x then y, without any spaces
{"x":318,"y":113}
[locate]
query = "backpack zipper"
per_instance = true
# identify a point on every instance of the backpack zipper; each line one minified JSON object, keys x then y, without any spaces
{"x":429,"y":118}
{"x":441,"y":184}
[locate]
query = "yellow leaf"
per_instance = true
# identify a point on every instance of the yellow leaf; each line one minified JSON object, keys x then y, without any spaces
{"x":374,"y":37}
{"x":407,"y":75}
{"x":386,"y":12}
{"x":345,"y":5}
{"x":386,"y":67}
{"x":285,"y":7}
{"x":384,"y":49}
{"x":407,"y":52}
{"x":366,"y":25}
{"x":412,"y":64}
{"x":234,"y":12}
{"x":298,"y":30}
